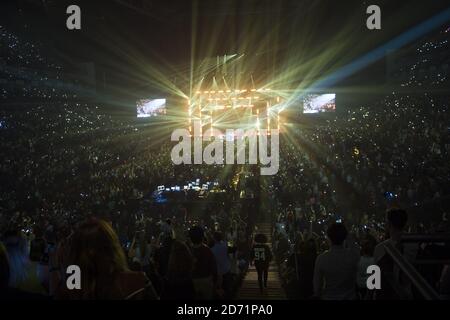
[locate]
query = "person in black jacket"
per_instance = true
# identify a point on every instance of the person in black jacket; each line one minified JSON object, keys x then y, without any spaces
{"x":178,"y":283}
{"x":261,"y":255}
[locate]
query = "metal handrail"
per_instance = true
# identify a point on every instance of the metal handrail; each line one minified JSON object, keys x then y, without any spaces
{"x":411,"y":273}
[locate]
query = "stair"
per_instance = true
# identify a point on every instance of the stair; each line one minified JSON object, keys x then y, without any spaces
{"x":250,"y":289}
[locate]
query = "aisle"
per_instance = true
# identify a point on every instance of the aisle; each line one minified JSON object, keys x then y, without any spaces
{"x":250,"y":290}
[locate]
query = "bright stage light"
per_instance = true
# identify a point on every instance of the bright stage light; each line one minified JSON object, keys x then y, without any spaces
{"x":219,"y":100}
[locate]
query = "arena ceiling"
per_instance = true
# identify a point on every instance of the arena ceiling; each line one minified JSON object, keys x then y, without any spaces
{"x":161,"y":42}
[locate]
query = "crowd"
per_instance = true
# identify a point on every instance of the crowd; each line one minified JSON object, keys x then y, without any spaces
{"x":77,"y":180}
{"x":68,"y":169}
{"x":349,"y":171}
{"x":67,"y":164}
{"x":27,"y":71}
{"x":333,"y":264}
{"x":204,"y":265}
{"x":396,"y":152}
{"x":425,"y":64}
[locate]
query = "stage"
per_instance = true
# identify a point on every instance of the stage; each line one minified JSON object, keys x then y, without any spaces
{"x":224,"y":109}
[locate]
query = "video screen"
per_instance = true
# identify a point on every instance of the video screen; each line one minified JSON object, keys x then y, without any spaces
{"x":319,"y":103}
{"x":147,"y":108}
